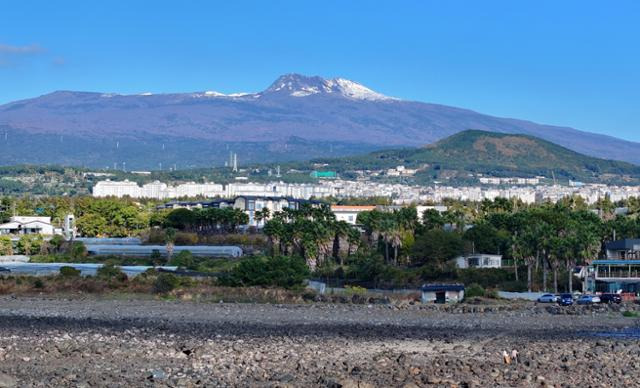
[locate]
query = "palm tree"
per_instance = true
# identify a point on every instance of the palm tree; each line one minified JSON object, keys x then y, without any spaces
{"x":340,"y":230}
{"x":262,"y":215}
{"x":274,"y":230}
{"x":525,"y":248}
{"x":387,"y":228}
{"x":353,"y":239}
{"x":170,"y":238}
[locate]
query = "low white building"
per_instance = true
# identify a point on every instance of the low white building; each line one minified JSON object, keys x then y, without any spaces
{"x":349,"y":213}
{"x":19,"y":225}
{"x":479,"y":260}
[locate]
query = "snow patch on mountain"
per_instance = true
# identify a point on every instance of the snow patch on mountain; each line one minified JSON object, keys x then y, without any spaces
{"x":297,"y":85}
{"x":214,"y":94}
{"x":357,"y":91}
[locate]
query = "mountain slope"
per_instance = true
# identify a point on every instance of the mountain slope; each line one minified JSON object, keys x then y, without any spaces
{"x":296,"y":118}
{"x":493,"y":154}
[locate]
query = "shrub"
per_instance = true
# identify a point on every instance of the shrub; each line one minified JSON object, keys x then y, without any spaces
{"x":184,"y":259}
{"x":156,"y":257}
{"x":69,"y":272}
{"x":78,"y":250}
{"x":514,"y":286}
{"x":56,"y":242}
{"x":355,"y":290}
{"x":110,"y":272}
{"x":367,"y":268}
{"x":631,"y":314}
{"x":492,"y":293}
{"x":38,"y":283}
{"x":29,"y":244}
{"x":165,"y":283}
{"x":485,"y":277}
{"x":279,"y":271}
{"x":6,"y":246}
{"x":474,"y":290}
{"x":184,"y":238}
{"x":156,"y":236}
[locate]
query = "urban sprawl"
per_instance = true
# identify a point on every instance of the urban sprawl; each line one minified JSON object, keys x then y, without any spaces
{"x":338,"y":188}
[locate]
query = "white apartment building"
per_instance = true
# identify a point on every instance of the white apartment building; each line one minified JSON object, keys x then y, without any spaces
{"x":400,"y":194}
{"x":116,"y":189}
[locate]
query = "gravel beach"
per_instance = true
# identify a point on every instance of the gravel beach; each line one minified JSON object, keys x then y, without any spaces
{"x":88,"y":342}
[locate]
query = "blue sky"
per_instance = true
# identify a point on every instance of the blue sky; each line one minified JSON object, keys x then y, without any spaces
{"x":574,"y":63}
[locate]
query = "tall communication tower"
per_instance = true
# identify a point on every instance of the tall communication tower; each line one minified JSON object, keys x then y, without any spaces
{"x":235,"y":162}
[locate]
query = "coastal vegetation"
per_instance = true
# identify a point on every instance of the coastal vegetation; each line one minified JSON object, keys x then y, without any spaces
{"x":390,"y":247}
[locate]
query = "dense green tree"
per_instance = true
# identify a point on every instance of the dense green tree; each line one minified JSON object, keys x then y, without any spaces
{"x":432,"y":219}
{"x":436,"y":247}
{"x":278,"y":271}
{"x":29,"y":244}
{"x":485,"y":238}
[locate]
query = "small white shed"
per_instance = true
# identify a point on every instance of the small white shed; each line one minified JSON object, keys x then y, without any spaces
{"x":479,"y":260}
{"x":442,"y":293}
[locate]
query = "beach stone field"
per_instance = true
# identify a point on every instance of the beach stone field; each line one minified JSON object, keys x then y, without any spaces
{"x":109,"y":342}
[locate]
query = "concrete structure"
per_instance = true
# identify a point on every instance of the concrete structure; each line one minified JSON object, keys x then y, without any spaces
{"x":619,"y":272}
{"x":349,"y":213}
{"x":19,"y":225}
{"x":14,"y":259}
{"x":613,"y":276}
{"x":623,"y":249}
{"x":442,"y":293}
{"x":479,"y":260}
{"x":248,"y":203}
{"x":69,"y":229}
{"x":109,"y":240}
{"x":157,"y":190}
{"x":363,"y":187}
{"x":420,"y":209}
{"x":148,"y":250}
{"x":251,"y":204}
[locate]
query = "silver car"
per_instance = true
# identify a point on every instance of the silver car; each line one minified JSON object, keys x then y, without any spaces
{"x":588,"y":299}
{"x":548,"y":298}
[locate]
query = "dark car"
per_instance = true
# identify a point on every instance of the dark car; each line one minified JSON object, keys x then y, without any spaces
{"x":610,"y":298}
{"x":4,"y":269}
{"x":565,"y":300}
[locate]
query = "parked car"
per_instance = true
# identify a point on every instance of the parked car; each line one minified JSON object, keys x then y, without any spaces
{"x":548,"y":298}
{"x":610,"y":298}
{"x":4,"y":269}
{"x":565,"y":300}
{"x":588,"y":299}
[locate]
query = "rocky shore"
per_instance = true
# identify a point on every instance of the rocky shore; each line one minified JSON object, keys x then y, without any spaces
{"x":88,"y":342}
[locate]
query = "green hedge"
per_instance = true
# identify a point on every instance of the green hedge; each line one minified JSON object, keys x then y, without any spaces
{"x":277,"y":271}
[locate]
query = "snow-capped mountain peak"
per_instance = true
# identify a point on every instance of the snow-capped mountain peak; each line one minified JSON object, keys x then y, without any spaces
{"x":357,"y":91}
{"x":297,"y":85}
